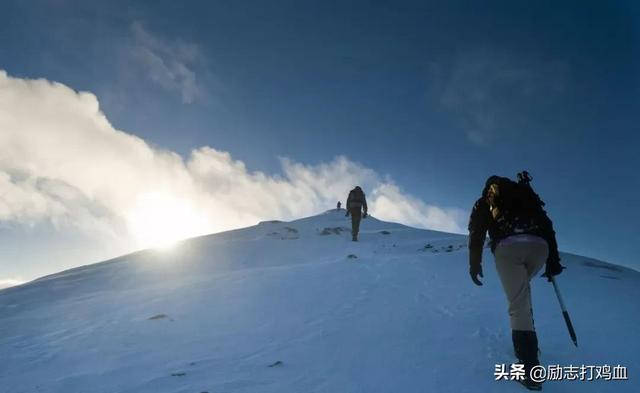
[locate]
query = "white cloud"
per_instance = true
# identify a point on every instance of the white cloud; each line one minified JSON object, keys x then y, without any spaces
{"x":393,"y":205}
{"x":8,"y":282}
{"x":494,"y":94}
{"x":62,"y":162}
{"x":168,"y":64}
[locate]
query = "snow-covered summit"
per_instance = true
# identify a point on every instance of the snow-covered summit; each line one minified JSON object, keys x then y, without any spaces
{"x":297,"y":307}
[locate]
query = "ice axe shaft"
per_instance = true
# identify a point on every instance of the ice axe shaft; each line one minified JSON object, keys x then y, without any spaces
{"x":565,"y":313}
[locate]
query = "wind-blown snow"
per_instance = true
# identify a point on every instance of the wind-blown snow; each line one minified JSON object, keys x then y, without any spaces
{"x":297,"y":307}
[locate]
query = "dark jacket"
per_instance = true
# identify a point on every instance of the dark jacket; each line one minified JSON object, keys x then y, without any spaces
{"x":357,"y":200}
{"x":481,"y":221}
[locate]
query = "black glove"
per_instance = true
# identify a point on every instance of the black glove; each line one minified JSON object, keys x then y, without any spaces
{"x":474,"y":272}
{"x":552,"y":269}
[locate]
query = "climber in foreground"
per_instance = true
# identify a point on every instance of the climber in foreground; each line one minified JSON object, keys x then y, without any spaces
{"x":522,"y":240}
{"x":356,"y":203}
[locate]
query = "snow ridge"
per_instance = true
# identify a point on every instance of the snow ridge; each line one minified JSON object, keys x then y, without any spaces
{"x":297,"y":307}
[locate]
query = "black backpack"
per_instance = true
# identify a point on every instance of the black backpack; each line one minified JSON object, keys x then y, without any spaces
{"x":356,"y":198}
{"x":514,"y":206}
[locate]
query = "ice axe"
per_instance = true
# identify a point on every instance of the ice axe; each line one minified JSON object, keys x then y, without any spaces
{"x":565,"y":313}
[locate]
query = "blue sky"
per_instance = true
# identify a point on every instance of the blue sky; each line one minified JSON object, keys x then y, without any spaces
{"x":432,"y":97}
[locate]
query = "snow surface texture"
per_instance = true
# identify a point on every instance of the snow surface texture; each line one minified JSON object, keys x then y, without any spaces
{"x":297,"y":307}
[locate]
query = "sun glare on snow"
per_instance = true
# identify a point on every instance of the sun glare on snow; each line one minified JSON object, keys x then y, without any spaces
{"x":159,"y":220}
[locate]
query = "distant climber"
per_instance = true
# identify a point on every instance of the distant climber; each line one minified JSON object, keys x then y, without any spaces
{"x":522,"y":240}
{"x":339,"y":205}
{"x":356,"y":203}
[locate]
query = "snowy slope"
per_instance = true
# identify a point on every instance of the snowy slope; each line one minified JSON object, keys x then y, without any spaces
{"x":212,"y":314}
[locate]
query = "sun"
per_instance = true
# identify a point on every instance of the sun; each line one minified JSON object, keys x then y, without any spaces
{"x":159,"y":220}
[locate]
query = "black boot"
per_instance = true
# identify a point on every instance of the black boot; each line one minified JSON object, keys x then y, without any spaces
{"x":525,"y":344}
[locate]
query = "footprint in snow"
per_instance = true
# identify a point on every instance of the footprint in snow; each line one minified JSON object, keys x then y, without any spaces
{"x":158,"y":316}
